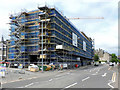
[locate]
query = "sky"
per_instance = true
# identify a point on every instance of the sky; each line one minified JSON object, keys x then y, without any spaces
{"x":103,"y":31}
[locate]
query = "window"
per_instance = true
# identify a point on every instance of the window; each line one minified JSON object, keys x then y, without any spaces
{"x":84,"y":45}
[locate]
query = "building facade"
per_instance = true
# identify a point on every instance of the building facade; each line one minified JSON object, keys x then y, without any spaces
{"x":99,"y":52}
{"x":103,"y":56}
{"x":3,"y":52}
{"x":45,"y":34}
{"x":106,"y":57}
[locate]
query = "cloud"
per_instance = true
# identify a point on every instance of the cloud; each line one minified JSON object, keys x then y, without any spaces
{"x":103,"y":31}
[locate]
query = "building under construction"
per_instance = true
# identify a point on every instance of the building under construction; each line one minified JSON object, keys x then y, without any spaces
{"x":45,"y":34}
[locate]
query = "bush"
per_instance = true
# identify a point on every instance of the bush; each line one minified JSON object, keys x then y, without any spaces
{"x":114,"y":58}
{"x":96,"y":57}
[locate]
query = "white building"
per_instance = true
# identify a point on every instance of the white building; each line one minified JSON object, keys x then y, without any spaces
{"x":106,"y":57}
{"x":103,"y":56}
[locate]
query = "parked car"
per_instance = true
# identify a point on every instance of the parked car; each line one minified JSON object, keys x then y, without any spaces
{"x":96,"y":64}
{"x":32,"y":65}
{"x":103,"y":62}
{"x":111,"y":63}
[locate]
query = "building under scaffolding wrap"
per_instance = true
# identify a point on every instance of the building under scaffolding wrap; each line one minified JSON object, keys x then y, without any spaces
{"x":62,"y":42}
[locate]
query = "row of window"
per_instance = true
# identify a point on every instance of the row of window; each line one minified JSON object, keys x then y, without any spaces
{"x":56,"y":26}
{"x":12,"y":57}
{"x":75,"y":31}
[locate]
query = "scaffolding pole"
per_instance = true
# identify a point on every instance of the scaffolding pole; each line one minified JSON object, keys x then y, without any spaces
{"x":42,"y":46}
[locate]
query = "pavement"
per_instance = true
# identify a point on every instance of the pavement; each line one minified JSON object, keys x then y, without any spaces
{"x":103,"y":76}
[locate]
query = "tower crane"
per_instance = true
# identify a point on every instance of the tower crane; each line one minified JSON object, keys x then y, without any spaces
{"x":74,"y":18}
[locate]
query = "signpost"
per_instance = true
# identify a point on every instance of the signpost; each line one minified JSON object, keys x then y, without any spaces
{"x":2,"y":71}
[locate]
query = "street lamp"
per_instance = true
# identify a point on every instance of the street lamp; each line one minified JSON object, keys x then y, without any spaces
{"x":42,"y":40}
{"x":42,"y":46}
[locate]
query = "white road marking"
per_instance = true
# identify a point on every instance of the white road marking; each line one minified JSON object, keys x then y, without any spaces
{"x":110,"y":85}
{"x":58,"y":75}
{"x":15,"y":80}
{"x":29,"y":85}
{"x":34,"y":77}
{"x":71,"y":85}
{"x":62,"y":75}
{"x":94,"y":74}
{"x":104,"y":75}
{"x":20,"y":87}
{"x":30,"y":78}
{"x":85,"y":78}
{"x":113,"y":80}
{"x":11,"y":81}
{"x":50,"y":79}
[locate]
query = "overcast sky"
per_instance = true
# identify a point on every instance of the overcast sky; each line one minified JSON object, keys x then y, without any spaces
{"x":104,"y":31}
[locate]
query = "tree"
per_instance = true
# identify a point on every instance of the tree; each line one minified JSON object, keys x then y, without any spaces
{"x":114,"y":58}
{"x":119,"y":60}
{"x":96,"y":57}
{"x":114,"y":55}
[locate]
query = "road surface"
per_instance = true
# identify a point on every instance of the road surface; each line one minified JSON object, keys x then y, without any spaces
{"x":103,"y":76}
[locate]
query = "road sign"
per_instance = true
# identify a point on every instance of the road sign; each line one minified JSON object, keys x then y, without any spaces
{"x":2,"y":71}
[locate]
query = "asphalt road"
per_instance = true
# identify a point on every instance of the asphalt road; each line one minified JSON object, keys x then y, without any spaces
{"x":103,"y":76}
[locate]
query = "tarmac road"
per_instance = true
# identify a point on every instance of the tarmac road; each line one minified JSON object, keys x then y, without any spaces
{"x":103,"y":76}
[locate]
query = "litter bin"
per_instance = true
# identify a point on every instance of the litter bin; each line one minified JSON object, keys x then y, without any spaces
{"x":52,"y":67}
{"x":45,"y":67}
{"x":76,"y":65}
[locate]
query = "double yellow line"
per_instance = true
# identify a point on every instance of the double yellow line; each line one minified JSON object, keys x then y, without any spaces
{"x":114,"y":76}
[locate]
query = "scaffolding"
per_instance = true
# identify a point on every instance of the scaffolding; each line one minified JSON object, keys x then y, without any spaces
{"x":37,"y":33}
{"x":18,"y":39}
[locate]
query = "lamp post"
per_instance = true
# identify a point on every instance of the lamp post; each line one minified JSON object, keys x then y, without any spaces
{"x":42,"y":46}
